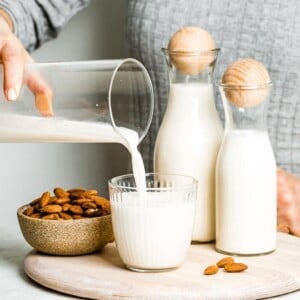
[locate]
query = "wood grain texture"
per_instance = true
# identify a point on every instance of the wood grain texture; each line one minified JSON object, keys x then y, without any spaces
{"x":103,"y":276}
{"x":190,"y":50}
{"x":241,"y":75}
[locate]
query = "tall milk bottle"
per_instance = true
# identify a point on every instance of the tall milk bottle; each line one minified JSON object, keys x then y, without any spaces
{"x":245,"y":174}
{"x":190,"y":135}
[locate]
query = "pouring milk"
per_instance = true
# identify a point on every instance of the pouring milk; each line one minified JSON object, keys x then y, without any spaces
{"x":18,"y":128}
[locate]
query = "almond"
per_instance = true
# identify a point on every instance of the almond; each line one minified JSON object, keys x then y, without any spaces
{"x":75,"y":190}
{"x":210,"y":270}
{"x":69,"y":204}
{"x":76,"y":195}
{"x":37,"y":208}
{"x":28,"y":211}
{"x":62,"y":201}
{"x":90,"y":212}
{"x":224,"y":261}
{"x":76,"y":217}
{"x":66,"y":206}
{"x":52,"y":208}
{"x":43,"y":100}
{"x":96,"y":198}
{"x":35,"y":201}
{"x":51,"y":217}
{"x":81,"y":201}
{"x":65,"y":216}
{"x":91,"y":192}
{"x":45,"y":199}
{"x":76,"y":209}
{"x":100,"y":201}
{"x":36,"y":215}
{"x":89,"y":204}
{"x":100,"y":212}
{"x":60,"y":193}
{"x":52,"y":199}
{"x":235,"y":267}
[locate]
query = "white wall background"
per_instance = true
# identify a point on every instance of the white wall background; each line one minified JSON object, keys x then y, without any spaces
{"x":27,"y":170}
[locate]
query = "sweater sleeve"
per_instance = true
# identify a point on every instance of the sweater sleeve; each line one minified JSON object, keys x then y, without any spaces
{"x":38,"y":21}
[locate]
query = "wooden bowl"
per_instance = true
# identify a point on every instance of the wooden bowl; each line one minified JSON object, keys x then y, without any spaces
{"x":66,"y":237}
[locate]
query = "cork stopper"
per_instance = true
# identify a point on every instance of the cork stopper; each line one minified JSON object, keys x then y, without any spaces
{"x":246,"y":83}
{"x":189,"y":50}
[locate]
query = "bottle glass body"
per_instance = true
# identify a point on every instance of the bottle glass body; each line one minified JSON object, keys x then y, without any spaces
{"x":245,"y":179}
{"x":189,"y":138}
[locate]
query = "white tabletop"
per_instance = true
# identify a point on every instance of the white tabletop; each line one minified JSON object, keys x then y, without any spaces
{"x":14,"y":284}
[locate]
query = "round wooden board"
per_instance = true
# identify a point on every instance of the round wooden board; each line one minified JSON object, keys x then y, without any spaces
{"x":103,"y":276}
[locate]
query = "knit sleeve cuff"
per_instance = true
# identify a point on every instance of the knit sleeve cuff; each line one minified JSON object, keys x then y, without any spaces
{"x":11,"y":11}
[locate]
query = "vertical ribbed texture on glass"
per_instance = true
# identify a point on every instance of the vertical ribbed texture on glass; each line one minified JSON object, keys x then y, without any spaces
{"x":156,"y":234}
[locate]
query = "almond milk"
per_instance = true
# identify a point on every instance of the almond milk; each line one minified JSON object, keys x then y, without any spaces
{"x":187,"y":144}
{"x":246,"y":194}
{"x":156,"y":235}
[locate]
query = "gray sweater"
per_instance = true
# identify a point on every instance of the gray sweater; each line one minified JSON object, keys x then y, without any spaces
{"x":268,"y":31}
{"x":37,"y":21}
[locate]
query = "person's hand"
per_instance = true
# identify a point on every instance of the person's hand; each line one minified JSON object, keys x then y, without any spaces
{"x":288,"y":202}
{"x":14,"y":56}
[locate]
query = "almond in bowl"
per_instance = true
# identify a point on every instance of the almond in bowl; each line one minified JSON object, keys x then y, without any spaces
{"x":69,"y":222}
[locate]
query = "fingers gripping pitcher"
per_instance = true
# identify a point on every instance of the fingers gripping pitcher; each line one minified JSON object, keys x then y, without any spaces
{"x":190,"y":134}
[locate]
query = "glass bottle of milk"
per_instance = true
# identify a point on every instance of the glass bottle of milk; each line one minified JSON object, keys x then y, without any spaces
{"x":191,"y":132}
{"x":245,"y":176}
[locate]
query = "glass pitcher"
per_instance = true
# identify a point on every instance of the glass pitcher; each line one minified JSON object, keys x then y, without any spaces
{"x":90,"y":101}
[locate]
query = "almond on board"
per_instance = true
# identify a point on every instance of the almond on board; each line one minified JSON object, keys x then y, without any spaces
{"x":235,"y":267}
{"x":211,"y":270}
{"x":224,"y":261}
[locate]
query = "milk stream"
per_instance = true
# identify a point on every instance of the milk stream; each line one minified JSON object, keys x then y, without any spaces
{"x":137,"y":162}
{"x":18,"y":128}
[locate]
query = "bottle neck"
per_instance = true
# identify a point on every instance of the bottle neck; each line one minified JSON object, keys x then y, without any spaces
{"x":245,"y":106}
{"x":206,"y":76}
{"x":251,"y":118}
{"x":190,"y":78}
{"x":190,"y":67}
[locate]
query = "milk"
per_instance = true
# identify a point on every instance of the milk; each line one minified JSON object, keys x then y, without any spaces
{"x":153,"y":229}
{"x":19,"y":128}
{"x":187,"y":143}
{"x":155,"y":236}
{"x":246,"y":194}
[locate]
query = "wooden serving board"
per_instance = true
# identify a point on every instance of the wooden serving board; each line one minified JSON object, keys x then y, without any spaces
{"x":103,"y":276}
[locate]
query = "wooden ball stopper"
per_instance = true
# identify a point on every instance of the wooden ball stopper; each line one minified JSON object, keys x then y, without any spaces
{"x":189,"y":42}
{"x":247,"y":83}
